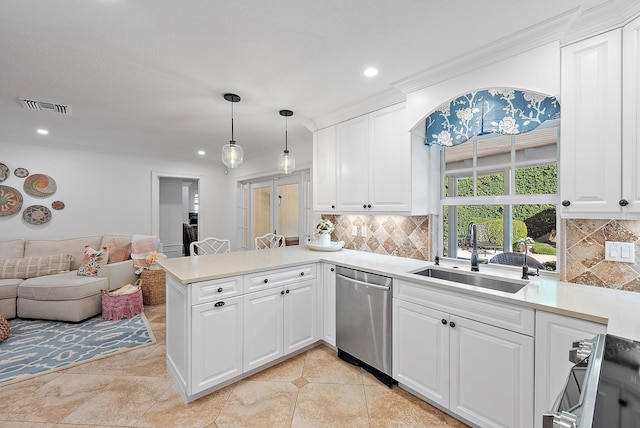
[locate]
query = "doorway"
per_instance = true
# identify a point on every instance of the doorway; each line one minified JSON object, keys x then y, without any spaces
{"x":276,"y":205}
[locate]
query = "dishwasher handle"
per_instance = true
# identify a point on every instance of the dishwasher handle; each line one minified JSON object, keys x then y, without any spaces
{"x":366,"y":284}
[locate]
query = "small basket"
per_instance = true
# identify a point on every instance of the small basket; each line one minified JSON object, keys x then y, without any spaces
{"x":123,"y":305}
{"x":153,"y":286}
{"x":5,"y":329}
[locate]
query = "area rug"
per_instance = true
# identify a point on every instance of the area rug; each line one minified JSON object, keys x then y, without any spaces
{"x":36,"y":347}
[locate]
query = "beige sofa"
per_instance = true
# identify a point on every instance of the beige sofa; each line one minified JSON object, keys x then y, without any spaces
{"x":44,"y":293}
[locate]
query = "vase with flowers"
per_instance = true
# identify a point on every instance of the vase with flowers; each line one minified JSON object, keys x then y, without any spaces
{"x":323,"y":231}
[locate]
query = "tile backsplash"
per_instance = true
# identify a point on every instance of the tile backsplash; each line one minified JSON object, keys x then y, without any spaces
{"x":401,"y":236}
{"x":585,"y":253}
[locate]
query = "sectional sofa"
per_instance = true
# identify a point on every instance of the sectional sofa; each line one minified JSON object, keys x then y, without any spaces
{"x":39,"y":278}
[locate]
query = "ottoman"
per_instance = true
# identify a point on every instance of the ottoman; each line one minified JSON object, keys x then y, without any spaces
{"x":8,"y":294}
{"x":61,"y":297}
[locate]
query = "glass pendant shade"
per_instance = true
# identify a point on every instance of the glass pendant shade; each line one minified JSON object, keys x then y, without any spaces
{"x":232,"y":155}
{"x":286,"y":162}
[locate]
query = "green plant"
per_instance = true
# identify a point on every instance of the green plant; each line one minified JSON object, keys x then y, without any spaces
{"x":496,"y":229}
{"x":542,"y":248}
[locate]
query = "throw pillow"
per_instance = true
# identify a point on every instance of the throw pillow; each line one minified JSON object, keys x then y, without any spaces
{"x":118,"y":253}
{"x":31,"y":267}
{"x":92,"y":261}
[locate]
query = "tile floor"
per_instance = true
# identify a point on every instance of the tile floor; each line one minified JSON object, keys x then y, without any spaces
{"x":132,"y":389}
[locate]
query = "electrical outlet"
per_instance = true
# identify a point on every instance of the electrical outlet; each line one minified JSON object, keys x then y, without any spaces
{"x":619,"y":251}
{"x":354,"y":230}
{"x":364,"y":230}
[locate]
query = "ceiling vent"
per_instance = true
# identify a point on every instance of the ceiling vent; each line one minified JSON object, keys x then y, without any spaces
{"x":41,"y":105}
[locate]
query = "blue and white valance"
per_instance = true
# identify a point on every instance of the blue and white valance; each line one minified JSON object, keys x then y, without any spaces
{"x":503,"y":111}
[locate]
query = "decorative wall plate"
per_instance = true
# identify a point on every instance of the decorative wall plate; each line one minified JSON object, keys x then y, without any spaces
{"x":21,"y":172}
{"x":57,"y":205}
{"x":4,"y":172}
{"x":36,"y":214}
{"x":40,"y":185}
{"x":10,"y":200}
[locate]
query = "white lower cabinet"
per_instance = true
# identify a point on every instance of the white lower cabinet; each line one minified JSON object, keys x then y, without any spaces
{"x":329,"y":303}
{"x":554,"y":337}
{"x":217,"y":342}
{"x":278,"y":321}
{"x":482,"y":373}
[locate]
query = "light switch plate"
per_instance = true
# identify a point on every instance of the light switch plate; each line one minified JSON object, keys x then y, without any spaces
{"x":364,"y":230}
{"x":354,"y":230}
{"x":620,"y":251}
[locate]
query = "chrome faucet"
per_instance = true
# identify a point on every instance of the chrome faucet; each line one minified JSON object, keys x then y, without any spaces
{"x":525,"y":266}
{"x":474,"y":252}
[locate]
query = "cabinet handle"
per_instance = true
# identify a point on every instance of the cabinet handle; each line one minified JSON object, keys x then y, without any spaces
{"x":218,"y":304}
{"x":220,"y":290}
{"x":301,"y":273}
{"x":566,"y":203}
{"x":623,"y":202}
{"x":332,"y":269}
{"x":287,"y":291}
{"x":333,"y":206}
{"x":369,"y":206}
{"x":282,"y":292}
{"x":452,"y":324}
{"x":364,"y":205}
{"x":444,"y":321}
{"x":266,"y":280}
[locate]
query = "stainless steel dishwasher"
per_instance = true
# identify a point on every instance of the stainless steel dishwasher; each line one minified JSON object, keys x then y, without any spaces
{"x":363,"y":321}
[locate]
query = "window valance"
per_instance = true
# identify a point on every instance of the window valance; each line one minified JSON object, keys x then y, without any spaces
{"x":504,"y":111}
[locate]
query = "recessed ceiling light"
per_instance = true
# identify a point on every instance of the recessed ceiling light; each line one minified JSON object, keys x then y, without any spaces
{"x":43,"y":131}
{"x":370,"y":72}
{"x":201,"y":152}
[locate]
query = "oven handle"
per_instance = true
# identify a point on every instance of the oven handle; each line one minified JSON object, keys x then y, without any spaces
{"x":366,"y":284}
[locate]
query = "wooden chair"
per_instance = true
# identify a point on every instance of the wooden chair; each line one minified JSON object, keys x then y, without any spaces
{"x":209,"y":246}
{"x":269,"y":240}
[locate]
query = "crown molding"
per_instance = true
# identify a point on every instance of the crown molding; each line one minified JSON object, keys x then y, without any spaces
{"x":599,"y":19}
{"x":383,"y":99}
{"x":529,"y":38}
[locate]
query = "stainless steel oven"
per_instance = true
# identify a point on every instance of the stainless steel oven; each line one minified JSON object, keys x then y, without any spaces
{"x":603,"y":387}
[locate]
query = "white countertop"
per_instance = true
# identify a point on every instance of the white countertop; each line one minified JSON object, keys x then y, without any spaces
{"x":619,"y":309}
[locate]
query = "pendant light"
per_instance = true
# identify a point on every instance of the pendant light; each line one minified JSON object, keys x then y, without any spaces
{"x":287,"y":162}
{"x":232,"y":154}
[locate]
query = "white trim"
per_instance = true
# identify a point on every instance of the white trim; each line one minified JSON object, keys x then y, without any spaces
{"x":155,"y":196}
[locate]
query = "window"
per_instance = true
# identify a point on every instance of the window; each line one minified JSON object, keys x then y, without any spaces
{"x":508,"y":186}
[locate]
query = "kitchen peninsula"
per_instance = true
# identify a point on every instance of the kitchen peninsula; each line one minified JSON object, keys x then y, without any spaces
{"x":232,"y":315}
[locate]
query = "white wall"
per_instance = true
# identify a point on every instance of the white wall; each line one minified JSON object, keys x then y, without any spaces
{"x":105,"y":193}
{"x":536,"y":70}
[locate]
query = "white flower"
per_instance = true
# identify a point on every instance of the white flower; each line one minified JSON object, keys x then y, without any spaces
{"x":465,"y":113}
{"x":325,"y":226}
{"x":508,"y":125}
{"x":444,"y":138}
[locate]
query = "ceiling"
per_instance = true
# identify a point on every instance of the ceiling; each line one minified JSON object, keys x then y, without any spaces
{"x":149,"y":75}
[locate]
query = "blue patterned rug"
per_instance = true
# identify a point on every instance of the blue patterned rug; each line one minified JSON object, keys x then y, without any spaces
{"x":38,"y":346}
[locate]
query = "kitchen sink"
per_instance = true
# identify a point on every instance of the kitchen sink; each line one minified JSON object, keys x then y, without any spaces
{"x":475,"y":280}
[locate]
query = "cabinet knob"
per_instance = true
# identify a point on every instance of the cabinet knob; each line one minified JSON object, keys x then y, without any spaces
{"x":452,"y":324}
{"x":368,"y":205}
{"x":333,"y":206}
{"x":364,"y":205}
{"x":287,"y":291}
{"x":623,"y":202}
{"x":444,"y":321}
{"x":218,"y":304}
{"x":282,"y":292}
{"x":266,"y":280}
{"x":566,"y":203}
{"x":332,"y":269}
{"x":220,"y":290}
{"x":301,"y":273}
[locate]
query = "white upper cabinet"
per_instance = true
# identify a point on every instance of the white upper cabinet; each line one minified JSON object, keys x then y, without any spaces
{"x":324,"y":169}
{"x":590,"y":149}
{"x":370,"y":164}
{"x":600,"y":115}
{"x":631,"y":114}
